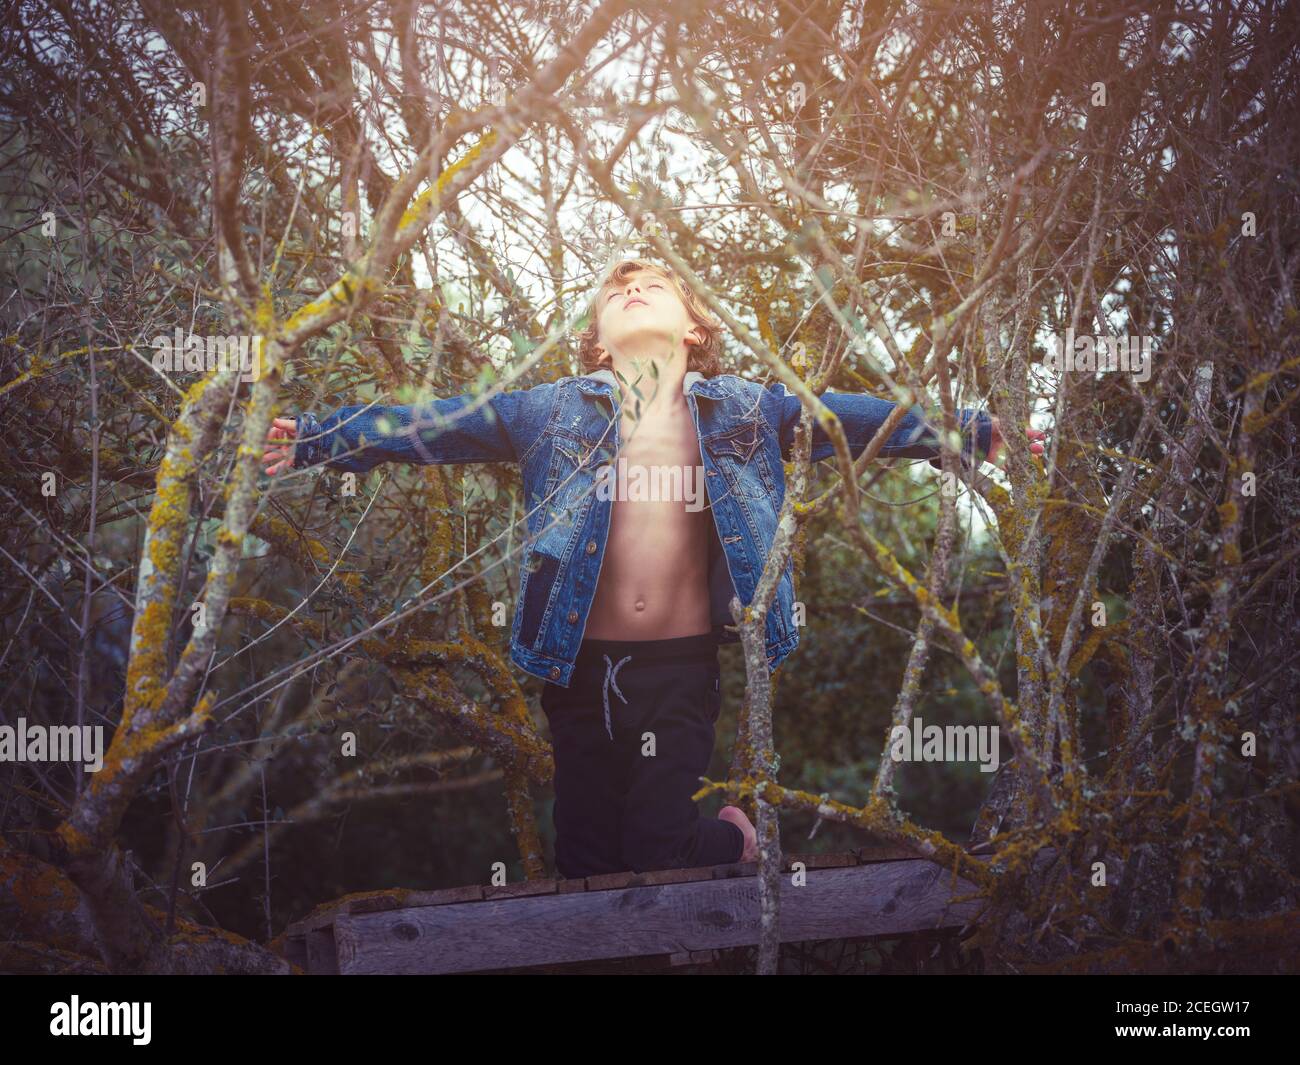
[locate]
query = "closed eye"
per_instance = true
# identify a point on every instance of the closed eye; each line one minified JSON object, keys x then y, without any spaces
{"x":653,"y":284}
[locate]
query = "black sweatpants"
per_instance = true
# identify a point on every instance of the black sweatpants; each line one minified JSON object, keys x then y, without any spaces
{"x":624,"y":776}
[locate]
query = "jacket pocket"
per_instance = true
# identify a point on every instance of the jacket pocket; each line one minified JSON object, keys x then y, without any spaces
{"x":566,"y":498}
{"x":742,"y":463}
{"x":713,"y":696}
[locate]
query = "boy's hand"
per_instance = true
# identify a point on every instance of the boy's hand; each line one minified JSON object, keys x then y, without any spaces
{"x":278,"y":458}
{"x":1036,"y":436}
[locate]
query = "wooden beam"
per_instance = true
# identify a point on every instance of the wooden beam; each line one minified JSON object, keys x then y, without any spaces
{"x":882,"y":899}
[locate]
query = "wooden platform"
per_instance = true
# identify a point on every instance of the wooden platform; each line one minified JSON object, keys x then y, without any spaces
{"x":681,"y":916}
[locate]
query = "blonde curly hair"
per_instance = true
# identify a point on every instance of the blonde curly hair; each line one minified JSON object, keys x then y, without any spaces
{"x":704,"y":357}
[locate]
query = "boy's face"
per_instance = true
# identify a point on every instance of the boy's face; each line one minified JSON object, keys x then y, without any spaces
{"x":644,"y":314}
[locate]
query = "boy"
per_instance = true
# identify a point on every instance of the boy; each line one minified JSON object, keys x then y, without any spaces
{"x":625,"y":587}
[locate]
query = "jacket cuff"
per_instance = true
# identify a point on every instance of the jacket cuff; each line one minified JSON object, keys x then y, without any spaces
{"x":311,"y":451}
{"x":977,"y":438}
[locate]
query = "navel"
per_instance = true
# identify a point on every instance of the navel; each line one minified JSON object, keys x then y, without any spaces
{"x":640,"y":604}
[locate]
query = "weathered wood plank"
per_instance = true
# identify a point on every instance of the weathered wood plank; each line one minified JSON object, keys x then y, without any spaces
{"x":521,"y":888}
{"x":693,"y":957}
{"x":323,"y":916}
{"x":823,"y":861}
{"x":443,"y":896}
{"x":885,"y":851}
{"x":613,"y":881}
{"x":295,"y":951}
{"x":322,"y":958}
{"x":888,"y":898}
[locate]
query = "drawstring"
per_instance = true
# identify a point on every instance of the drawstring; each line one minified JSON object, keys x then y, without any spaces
{"x":611,"y":672}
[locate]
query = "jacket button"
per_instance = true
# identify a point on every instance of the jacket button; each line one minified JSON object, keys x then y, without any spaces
{"x":555,"y":673}
{"x":591,"y":547}
{"x":573,"y":616}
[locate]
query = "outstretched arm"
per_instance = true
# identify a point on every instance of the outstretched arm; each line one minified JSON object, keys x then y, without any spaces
{"x":862,"y":415}
{"x":357,"y":438}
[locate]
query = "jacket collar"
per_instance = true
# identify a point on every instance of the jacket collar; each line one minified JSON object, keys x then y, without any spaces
{"x":694,"y":381}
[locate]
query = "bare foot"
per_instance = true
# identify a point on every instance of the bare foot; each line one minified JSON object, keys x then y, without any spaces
{"x":737,"y":817}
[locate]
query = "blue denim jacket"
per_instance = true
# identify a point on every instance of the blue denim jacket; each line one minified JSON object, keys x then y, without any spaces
{"x":562,"y":432}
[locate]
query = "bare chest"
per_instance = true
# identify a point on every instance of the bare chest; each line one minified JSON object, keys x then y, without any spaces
{"x":664,"y":441}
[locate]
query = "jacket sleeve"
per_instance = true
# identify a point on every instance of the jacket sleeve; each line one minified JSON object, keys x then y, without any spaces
{"x":359,"y":437}
{"x":915,"y":436}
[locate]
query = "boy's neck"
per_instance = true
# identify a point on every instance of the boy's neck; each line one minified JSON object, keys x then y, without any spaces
{"x":657,"y":377}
